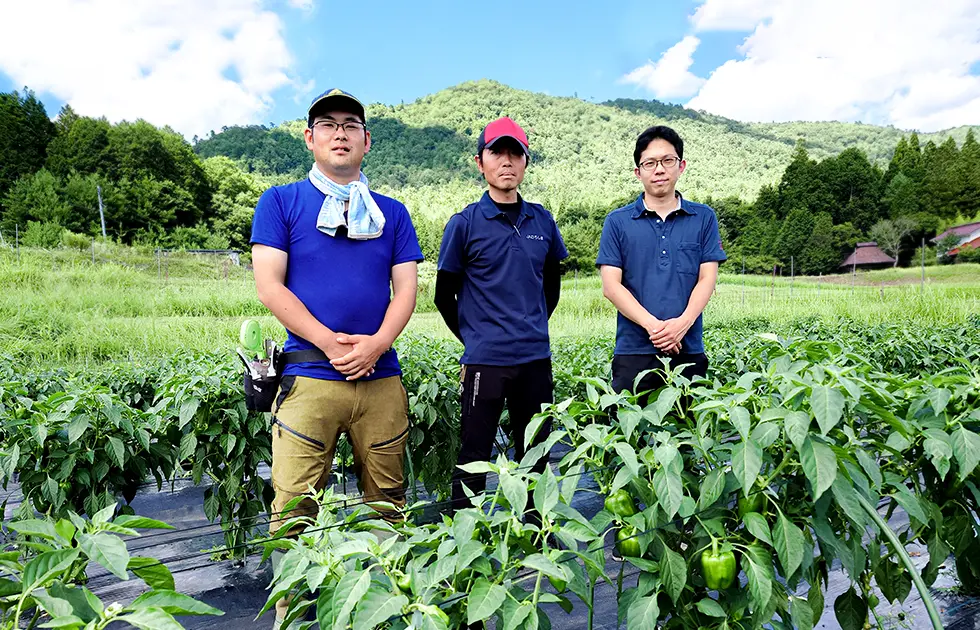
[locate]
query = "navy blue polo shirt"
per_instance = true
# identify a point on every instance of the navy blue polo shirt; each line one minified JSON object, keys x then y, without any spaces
{"x":503,"y":316}
{"x":344,"y":283}
{"x":660,"y":262}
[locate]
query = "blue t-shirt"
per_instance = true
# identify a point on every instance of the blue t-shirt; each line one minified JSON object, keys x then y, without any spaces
{"x":503,"y":315}
{"x":344,"y":283}
{"x":660,"y":262}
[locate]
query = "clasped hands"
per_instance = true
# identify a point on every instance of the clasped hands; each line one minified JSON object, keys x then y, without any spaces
{"x":354,"y":356}
{"x":666,"y":334}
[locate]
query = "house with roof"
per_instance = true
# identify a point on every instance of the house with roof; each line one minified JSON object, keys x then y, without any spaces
{"x":867,"y":256}
{"x":968,"y":235}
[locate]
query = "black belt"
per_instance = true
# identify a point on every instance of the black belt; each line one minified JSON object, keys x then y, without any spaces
{"x":304,"y":356}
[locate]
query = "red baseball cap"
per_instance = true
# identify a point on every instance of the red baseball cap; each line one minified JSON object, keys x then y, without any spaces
{"x":502,"y":128}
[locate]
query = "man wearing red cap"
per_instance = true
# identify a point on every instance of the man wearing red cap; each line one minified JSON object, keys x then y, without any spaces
{"x":497,"y":285}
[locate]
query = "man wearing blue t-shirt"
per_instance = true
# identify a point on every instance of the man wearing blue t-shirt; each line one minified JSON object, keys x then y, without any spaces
{"x":336,"y":263}
{"x":658,"y":258}
{"x":497,"y":285}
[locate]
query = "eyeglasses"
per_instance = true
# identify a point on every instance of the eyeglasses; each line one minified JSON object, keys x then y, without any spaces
{"x":669,"y":162}
{"x":351,"y":126}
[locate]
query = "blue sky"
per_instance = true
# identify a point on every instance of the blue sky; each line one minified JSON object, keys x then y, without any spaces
{"x":200,"y":64}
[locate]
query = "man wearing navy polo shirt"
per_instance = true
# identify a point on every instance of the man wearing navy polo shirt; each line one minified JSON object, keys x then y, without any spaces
{"x":658,"y":258}
{"x":336,"y":263}
{"x":497,"y":285}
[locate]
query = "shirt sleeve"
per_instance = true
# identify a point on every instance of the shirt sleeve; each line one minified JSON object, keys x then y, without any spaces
{"x":711,"y":250}
{"x":407,"y":247}
{"x":452,"y":251}
{"x":268,"y":224}
{"x":610,"y":251}
{"x":558,"y":250}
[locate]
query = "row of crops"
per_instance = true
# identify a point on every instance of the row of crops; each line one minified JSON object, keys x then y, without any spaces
{"x":742,"y":492}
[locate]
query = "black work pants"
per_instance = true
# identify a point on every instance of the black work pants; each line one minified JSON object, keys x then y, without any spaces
{"x":486,"y":389}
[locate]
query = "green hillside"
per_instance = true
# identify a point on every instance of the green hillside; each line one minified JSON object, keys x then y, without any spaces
{"x":582,"y":151}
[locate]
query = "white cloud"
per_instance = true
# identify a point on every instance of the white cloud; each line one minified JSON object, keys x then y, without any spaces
{"x":305,"y":5}
{"x":670,"y":77}
{"x":900,"y":62}
{"x":192,"y":64}
{"x":732,"y":15}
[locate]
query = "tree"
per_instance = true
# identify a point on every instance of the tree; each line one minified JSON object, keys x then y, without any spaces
{"x":901,"y":197}
{"x":25,"y":132}
{"x":854,"y":184}
{"x":802,"y":186}
{"x":889,"y":235}
{"x":794,"y":234}
{"x":820,"y":255}
{"x":34,"y":197}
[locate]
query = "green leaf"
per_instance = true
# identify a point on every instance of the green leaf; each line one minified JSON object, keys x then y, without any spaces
{"x":140,"y":522}
{"x":628,"y":455}
{"x":118,"y":450}
{"x":789,"y":543}
{"x":54,"y":606}
{"x":673,"y":573}
{"x":515,"y":491}
{"x":80,"y":599}
{"x":742,"y":421}
{"x":870,"y":467}
{"x":670,"y":489}
{"x":910,"y":503}
{"x":174,"y":603}
{"x":939,"y":398}
{"x":851,"y":610}
{"x":546,"y":492}
{"x":348,"y":592}
{"x":828,"y":407}
{"x":188,"y":444}
{"x":103,"y":515}
{"x":711,"y":608}
{"x":211,"y":505}
{"x":746,"y":464}
{"x":187,"y":410}
{"x":540,"y":562}
{"x":643,"y":613}
{"x":802,"y":613}
{"x":151,"y":619}
{"x":77,"y":427}
{"x":67,"y":621}
{"x":34,"y":527}
{"x":378,"y":607}
{"x":152,"y":571}
{"x":819,"y":465}
{"x":45,"y":566}
{"x":966,"y":449}
{"x":758,"y":527}
{"x":9,"y":587}
{"x":847,"y":499}
{"x":107,"y":550}
{"x":712,"y":485}
{"x":758,"y":568}
{"x":484,"y":600}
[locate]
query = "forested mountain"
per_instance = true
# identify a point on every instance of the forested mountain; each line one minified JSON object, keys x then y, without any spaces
{"x":801,"y":192}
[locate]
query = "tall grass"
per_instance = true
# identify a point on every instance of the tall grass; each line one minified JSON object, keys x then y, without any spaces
{"x":57,"y":308}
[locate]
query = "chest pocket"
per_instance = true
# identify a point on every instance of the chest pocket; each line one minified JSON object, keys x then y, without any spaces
{"x":689,"y":258}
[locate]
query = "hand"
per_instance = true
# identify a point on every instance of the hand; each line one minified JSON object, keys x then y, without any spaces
{"x":360,"y":361}
{"x":332,"y":348}
{"x":671,"y":334}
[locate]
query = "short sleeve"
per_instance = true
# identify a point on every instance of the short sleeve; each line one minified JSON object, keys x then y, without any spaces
{"x":406,"y":240}
{"x":452,"y":251}
{"x":610,"y":249}
{"x":268,"y":224}
{"x":558,"y":250}
{"x":711,"y":250}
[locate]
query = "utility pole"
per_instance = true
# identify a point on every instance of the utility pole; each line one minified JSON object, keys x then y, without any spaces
{"x":98,"y":190}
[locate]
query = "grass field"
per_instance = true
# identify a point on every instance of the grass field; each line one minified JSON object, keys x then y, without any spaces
{"x":60,"y":308}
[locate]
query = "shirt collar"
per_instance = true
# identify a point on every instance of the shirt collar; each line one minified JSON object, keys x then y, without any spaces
{"x":490,"y":209}
{"x":683,"y":205}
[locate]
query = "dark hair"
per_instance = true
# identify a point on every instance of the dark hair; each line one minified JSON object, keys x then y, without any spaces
{"x":659,"y":132}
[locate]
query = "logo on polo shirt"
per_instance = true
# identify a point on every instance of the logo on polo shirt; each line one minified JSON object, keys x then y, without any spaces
{"x":535,"y":237}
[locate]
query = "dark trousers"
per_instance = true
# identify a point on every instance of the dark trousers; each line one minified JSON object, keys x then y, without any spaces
{"x":486,"y":388}
{"x":626,"y":367}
